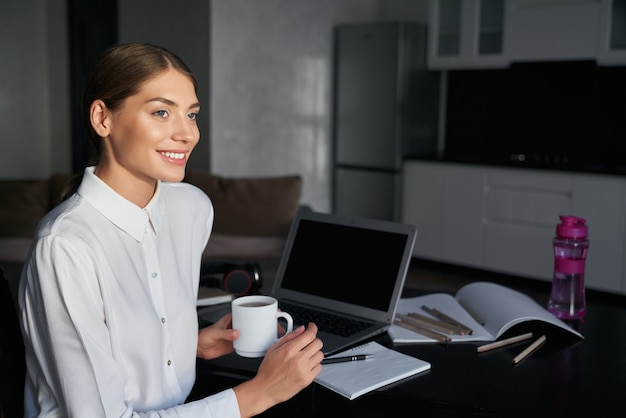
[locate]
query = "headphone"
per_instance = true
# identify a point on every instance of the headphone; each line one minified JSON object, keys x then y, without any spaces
{"x":233,"y":278}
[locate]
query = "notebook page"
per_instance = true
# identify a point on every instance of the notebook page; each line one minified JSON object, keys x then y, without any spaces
{"x":356,"y":378}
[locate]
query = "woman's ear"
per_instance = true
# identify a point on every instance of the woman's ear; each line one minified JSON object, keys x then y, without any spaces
{"x":99,"y":117}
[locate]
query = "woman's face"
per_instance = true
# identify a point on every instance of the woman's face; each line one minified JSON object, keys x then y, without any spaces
{"x":153,"y":133}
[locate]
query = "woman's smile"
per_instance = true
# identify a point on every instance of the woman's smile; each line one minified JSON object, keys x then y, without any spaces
{"x":175,"y":157}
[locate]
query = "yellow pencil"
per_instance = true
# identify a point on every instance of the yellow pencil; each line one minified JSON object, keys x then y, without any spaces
{"x":530,"y":349}
{"x":503,"y":343}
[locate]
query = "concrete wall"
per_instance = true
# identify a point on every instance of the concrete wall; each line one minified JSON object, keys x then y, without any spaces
{"x":34,"y":89}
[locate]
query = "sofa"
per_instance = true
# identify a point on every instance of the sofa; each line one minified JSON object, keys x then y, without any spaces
{"x":252,"y":216}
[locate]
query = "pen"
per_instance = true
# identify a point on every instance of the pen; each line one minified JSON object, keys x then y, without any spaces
{"x":347,"y":359}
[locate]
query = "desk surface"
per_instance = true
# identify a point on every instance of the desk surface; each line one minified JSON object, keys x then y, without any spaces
{"x":565,"y":378}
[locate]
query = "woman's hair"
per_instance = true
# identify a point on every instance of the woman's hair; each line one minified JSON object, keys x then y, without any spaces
{"x":119,"y":72}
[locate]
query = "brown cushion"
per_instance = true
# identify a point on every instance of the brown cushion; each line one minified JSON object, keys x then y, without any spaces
{"x":241,"y":247}
{"x":22,"y":205}
{"x":59,"y":184}
{"x":261,"y":206}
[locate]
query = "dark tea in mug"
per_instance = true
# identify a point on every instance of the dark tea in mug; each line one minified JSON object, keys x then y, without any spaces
{"x":253,"y":304}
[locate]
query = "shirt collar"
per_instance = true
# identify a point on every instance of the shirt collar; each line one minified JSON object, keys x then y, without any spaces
{"x":122,"y":213}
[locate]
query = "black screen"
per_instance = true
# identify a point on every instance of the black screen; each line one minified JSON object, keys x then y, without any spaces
{"x":566,"y":115}
{"x":344,"y":263}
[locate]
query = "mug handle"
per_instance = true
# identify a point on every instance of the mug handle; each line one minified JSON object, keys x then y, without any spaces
{"x":289,"y":320}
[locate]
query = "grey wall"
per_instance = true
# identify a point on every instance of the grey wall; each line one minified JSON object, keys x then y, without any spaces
{"x":34,"y":89}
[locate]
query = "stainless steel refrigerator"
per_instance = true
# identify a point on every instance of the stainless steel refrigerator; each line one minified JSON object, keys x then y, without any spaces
{"x":385,"y":111}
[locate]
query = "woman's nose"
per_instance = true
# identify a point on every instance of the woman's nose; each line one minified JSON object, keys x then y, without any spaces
{"x":185,"y":130}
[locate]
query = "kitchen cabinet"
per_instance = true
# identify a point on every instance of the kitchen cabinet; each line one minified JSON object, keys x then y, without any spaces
{"x":447,"y":231}
{"x":503,"y":219}
{"x":612,"y":36}
{"x":467,"y":34}
{"x":539,"y":30}
{"x":521,"y":210}
{"x":445,"y":202}
{"x":602,"y":201}
{"x":422,"y":201}
{"x":474,"y":34}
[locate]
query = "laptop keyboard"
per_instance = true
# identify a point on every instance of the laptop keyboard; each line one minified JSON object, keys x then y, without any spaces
{"x":325,"y":321}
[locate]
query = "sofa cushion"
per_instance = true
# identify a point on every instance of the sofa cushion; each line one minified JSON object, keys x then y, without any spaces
{"x":59,"y":184}
{"x":255,"y":206}
{"x":221,"y":247}
{"x":22,"y":205}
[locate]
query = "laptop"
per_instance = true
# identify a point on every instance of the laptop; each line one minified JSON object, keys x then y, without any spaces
{"x":352,"y":268}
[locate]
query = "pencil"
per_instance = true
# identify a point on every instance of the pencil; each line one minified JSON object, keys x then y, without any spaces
{"x":503,"y":343}
{"x":530,"y":349}
{"x":424,"y":331}
{"x":435,"y":324}
{"x":445,"y":318}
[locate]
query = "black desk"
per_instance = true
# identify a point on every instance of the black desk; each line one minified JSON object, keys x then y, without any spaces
{"x":565,"y":378}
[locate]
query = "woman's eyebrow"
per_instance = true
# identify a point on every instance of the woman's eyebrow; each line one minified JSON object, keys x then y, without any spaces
{"x":170,"y":102}
{"x":162,"y":100}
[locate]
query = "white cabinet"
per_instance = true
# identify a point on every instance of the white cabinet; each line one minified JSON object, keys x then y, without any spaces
{"x":504,"y":219}
{"x":422,"y":202}
{"x":566,"y":30}
{"x":612,"y":34}
{"x":521,"y":210}
{"x":466,"y":34}
{"x":446,"y":231}
{"x":461,"y":227}
{"x":540,"y":30}
{"x":495,"y":33}
{"x":601,"y":200}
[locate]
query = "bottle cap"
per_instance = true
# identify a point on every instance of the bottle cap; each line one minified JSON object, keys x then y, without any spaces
{"x":572,"y":227}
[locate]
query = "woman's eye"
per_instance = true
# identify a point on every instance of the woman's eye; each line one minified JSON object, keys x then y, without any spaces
{"x":161,"y":113}
{"x":192,"y":116}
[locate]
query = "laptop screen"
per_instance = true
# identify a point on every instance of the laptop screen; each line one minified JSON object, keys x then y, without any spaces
{"x":346,"y":263}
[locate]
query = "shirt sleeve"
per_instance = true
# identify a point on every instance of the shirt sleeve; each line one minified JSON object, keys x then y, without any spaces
{"x":71,"y":366}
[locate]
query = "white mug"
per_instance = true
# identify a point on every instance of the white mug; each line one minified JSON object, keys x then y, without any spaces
{"x":256,"y":319}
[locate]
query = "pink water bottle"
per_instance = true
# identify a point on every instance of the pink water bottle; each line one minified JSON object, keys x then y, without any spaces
{"x":567,"y":298}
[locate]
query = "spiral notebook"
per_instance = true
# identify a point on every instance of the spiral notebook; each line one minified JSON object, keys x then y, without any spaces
{"x":356,"y":378}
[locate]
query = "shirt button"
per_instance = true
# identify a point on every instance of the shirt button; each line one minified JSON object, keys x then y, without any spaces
{"x":154,"y":274}
{"x":162,"y":320}
{"x":169,"y":362}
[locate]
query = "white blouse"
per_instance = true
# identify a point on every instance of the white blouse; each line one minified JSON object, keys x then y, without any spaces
{"x":108,"y":306}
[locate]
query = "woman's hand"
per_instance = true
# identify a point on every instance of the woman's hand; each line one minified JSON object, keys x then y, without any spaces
{"x":217,"y":339}
{"x":289,"y":366}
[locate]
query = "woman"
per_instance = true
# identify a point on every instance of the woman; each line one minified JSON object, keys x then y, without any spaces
{"x":107,"y":296}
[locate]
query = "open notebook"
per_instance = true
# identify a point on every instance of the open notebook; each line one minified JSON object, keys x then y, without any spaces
{"x":353,"y":268}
